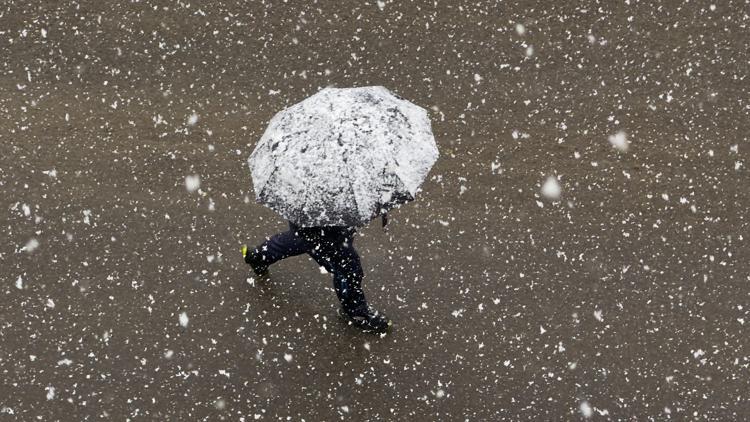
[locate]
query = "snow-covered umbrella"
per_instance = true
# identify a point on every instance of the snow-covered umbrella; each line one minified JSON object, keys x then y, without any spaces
{"x":343,"y":156}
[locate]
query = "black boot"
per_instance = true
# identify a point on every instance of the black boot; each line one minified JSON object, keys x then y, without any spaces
{"x":367,"y":319}
{"x":256,"y":264}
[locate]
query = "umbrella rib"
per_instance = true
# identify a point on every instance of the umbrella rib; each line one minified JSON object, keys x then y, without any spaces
{"x":354,"y":195}
{"x":268,"y":179}
{"x":398,"y":176}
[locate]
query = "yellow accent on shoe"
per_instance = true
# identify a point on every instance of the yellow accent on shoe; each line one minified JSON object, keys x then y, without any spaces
{"x":244,"y":251}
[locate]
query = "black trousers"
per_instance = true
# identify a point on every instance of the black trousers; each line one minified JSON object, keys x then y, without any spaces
{"x":332,"y":248}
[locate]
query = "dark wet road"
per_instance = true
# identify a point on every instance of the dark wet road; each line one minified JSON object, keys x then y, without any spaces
{"x":626,"y":299}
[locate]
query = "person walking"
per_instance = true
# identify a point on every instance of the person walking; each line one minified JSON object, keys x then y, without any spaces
{"x":330,"y":164}
{"x":333,"y":249}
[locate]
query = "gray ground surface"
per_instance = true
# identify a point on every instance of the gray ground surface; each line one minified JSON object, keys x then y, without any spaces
{"x":627,"y":299}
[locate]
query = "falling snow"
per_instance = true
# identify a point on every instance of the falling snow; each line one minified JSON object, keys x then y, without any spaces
{"x":586,"y":410}
{"x":192,"y":119}
{"x":184,"y":320}
{"x":192,"y":183}
{"x":577,"y":251}
{"x":30,"y":246}
{"x":620,"y":141}
{"x":551,"y":188}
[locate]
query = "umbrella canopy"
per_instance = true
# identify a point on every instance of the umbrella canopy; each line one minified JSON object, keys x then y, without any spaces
{"x":342,"y":156}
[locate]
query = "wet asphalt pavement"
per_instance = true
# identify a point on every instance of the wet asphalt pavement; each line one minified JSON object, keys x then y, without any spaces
{"x":125,"y":296}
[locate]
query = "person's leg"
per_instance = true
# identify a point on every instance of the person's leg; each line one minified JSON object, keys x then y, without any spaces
{"x":276,"y":248}
{"x":339,"y":258}
{"x":342,"y":260}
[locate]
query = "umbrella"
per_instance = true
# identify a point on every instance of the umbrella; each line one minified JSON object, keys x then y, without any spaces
{"x":343,"y":156}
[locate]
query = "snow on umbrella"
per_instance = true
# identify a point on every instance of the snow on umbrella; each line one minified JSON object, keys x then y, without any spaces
{"x":342,"y":156}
